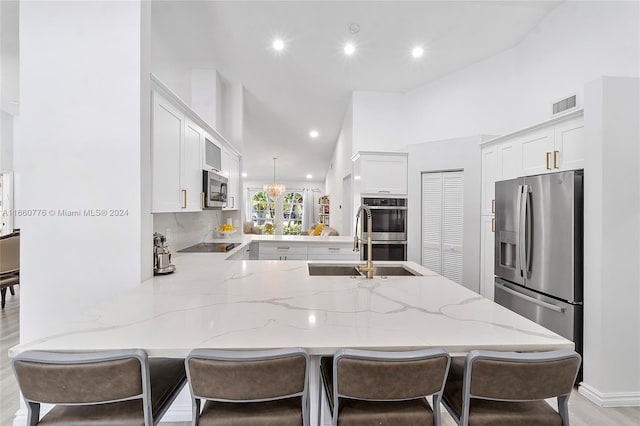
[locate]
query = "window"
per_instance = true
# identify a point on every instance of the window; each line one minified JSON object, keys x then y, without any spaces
{"x":263,"y":209}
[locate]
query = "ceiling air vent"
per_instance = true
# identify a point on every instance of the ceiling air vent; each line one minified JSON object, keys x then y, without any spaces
{"x":564,"y":105}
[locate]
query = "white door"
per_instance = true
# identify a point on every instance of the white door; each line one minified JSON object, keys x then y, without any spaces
{"x":442,"y":223}
{"x":432,"y":221}
{"x":452,"y":183}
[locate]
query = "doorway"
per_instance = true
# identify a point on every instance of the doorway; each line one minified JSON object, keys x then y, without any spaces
{"x":346,"y":206}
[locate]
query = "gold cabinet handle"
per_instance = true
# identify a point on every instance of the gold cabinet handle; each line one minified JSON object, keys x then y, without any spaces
{"x":493,"y":225}
{"x":548,"y":155}
{"x":555,"y":159}
{"x":202,"y":200}
{"x":184,"y":198}
{"x":493,"y":206}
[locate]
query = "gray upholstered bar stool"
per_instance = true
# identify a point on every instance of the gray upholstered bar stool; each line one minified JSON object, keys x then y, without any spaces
{"x":122,"y":387}
{"x":384,"y":388}
{"x":509,"y":388}
{"x":261,"y":388}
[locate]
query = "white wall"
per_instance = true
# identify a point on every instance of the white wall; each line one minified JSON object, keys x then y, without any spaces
{"x":9,"y":57}
{"x":339,"y":168}
{"x":378,"y":121}
{"x":611,"y":243}
{"x":575,"y":43}
{"x":78,"y":147}
{"x":436,"y":156}
{"x":6,"y":142}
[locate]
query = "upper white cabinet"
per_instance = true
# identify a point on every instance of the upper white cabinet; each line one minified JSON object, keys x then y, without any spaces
{"x":178,"y":154}
{"x":170,"y":179}
{"x":191,"y":167}
{"x":537,"y":150}
{"x":381,"y":172}
{"x":231,"y":169}
{"x":554,"y":148}
{"x":569,"y":145}
{"x":490,"y":173}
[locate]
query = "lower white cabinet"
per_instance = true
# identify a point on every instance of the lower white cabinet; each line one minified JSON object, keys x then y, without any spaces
{"x":332,"y":251}
{"x":487,"y":250}
{"x":342,"y":251}
{"x":282,"y":251}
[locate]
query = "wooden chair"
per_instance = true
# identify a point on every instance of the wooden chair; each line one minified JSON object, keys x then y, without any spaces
{"x":9,"y":264}
{"x":121,"y":387}
{"x":261,"y":388}
{"x":384,"y":388}
{"x":509,"y":388}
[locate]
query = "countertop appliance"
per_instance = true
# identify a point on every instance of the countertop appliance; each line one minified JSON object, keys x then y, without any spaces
{"x":214,"y":187}
{"x":209,"y":248}
{"x":161,"y":256}
{"x":538,"y":250}
{"x":389,"y":227}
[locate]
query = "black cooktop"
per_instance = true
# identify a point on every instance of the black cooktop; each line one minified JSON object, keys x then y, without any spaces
{"x":209,"y":248}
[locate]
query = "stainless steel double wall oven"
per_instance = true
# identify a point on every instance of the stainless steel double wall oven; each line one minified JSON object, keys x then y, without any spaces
{"x":389,"y":227}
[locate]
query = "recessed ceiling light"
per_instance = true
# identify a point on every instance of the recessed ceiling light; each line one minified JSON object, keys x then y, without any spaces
{"x":244,"y":175}
{"x":309,"y":176}
{"x":349,"y":49}
{"x":314,"y":134}
{"x":417,"y":52}
{"x":278,"y":44}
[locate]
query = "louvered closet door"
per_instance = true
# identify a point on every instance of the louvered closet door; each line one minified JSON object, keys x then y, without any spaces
{"x":432,"y":221}
{"x":442,"y":223}
{"x":452,"y":226}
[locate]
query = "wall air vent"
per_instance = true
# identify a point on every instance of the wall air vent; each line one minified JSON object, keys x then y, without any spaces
{"x":565,"y":104}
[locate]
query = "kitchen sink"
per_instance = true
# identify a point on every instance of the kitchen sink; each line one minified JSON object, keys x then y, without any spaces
{"x":394,"y":271}
{"x":332,"y":269}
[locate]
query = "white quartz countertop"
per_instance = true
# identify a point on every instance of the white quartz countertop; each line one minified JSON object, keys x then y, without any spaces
{"x":213,"y":302}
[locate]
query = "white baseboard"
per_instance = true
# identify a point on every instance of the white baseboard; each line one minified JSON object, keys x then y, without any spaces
{"x":610,"y":399}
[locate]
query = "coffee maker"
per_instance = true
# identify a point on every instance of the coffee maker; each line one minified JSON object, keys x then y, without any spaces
{"x":161,"y":256}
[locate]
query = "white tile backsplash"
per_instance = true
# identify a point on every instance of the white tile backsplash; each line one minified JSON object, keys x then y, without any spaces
{"x":186,"y":229}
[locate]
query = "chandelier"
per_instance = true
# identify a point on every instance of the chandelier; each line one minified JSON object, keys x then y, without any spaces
{"x":274,"y":189}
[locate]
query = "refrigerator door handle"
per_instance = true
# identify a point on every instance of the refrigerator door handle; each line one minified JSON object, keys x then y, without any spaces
{"x":529,"y":299}
{"x":521,"y":226}
{"x":527,"y":229}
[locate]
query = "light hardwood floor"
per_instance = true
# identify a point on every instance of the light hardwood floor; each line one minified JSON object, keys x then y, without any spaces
{"x":581,"y":411}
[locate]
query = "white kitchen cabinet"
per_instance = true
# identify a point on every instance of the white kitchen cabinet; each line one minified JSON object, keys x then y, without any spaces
{"x":282,"y":251}
{"x":569,"y":145}
{"x":191,"y":167}
{"x":509,"y":160}
{"x":231,"y":169}
{"x":537,"y":152}
{"x":176,"y":163}
{"x":558,"y":146}
{"x":487,"y":249}
{"x":381,"y":172}
{"x":332,"y":251}
{"x":490,"y":173}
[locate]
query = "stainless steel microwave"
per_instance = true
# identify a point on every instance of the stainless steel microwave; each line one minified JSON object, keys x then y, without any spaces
{"x":214,"y":187}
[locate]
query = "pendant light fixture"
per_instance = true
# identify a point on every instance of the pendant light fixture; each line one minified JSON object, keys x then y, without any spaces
{"x":274,"y":189}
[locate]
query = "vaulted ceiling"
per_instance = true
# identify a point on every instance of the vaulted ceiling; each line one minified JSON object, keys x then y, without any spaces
{"x":308,"y":84}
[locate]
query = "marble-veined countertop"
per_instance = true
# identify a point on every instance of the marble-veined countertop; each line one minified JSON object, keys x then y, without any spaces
{"x":250,"y":304}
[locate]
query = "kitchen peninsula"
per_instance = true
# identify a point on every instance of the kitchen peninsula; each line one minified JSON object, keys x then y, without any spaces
{"x":252,"y":304}
{"x":214,"y":302}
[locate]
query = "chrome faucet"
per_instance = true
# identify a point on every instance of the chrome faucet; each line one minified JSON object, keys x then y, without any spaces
{"x":368,"y":268}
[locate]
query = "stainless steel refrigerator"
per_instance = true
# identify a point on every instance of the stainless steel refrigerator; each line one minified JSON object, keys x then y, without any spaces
{"x":538,"y":250}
